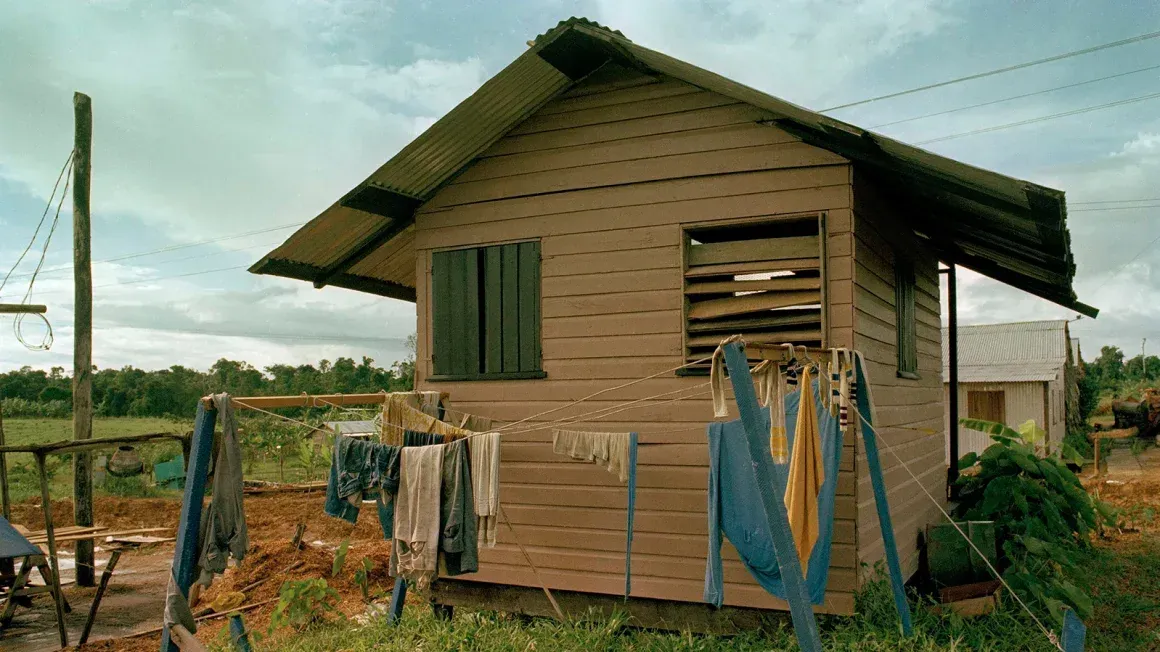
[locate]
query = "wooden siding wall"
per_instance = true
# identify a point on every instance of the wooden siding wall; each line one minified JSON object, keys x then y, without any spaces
{"x":1021,"y":401}
{"x":605,"y":176}
{"x":910,"y":413}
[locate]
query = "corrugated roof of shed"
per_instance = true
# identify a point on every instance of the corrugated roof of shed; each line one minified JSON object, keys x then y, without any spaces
{"x":1008,"y":229}
{"x":1014,"y":352}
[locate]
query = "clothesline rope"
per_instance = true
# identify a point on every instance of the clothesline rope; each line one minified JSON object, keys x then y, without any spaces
{"x":1047,"y":632}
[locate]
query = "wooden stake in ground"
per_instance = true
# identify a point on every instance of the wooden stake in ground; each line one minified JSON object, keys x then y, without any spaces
{"x":82,"y":381}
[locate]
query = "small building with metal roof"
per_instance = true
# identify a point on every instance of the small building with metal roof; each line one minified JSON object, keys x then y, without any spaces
{"x":596,"y":217}
{"x":1014,"y":372}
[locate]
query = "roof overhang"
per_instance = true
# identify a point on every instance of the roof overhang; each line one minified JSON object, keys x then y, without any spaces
{"x":1010,"y":230}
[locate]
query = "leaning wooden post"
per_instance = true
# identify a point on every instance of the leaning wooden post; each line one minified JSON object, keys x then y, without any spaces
{"x":82,"y":380}
{"x":188,"y":529}
{"x":757,"y":437}
{"x":52,"y":559}
{"x":104,"y":584}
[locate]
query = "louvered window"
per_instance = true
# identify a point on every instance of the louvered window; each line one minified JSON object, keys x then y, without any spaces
{"x":485,"y":312}
{"x":762,"y":280}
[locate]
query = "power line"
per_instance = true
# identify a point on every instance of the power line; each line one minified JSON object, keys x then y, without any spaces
{"x":177,"y":247}
{"x":43,"y":217}
{"x":1053,"y":116}
{"x":998,"y":71}
{"x":195,"y":257}
{"x":1013,"y":97}
{"x":1130,"y":261}
{"x":162,"y":278}
{"x":276,"y":336}
{"x":1111,"y":208}
{"x":1113,"y":201}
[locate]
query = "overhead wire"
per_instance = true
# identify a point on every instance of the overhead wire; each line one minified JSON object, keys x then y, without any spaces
{"x":18,"y":323}
{"x":187,"y":245}
{"x":997,"y":71}
{"x":1044,"y":118}
{"x":1012,"y":98}
{"x":43,"y":217}
{"x":1111,"y":208}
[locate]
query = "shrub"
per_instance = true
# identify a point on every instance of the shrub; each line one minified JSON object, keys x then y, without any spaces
{"x":304,"y":603}
{"x":1043,"y":517}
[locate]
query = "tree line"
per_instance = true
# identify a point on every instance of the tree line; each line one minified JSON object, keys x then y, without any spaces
{"x":1113,"y":375}
{"x":173,"y":392}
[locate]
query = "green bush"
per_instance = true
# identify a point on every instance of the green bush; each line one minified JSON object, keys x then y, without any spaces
{"x":304,"y":603}
{"x":1043,"y":516}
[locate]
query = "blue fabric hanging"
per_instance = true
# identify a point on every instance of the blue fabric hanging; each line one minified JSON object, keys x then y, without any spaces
{"x":735,"y":508}
{"x":632,"y":440}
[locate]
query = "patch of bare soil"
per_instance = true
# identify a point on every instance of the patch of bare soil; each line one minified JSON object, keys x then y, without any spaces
{"x":135,"y":597}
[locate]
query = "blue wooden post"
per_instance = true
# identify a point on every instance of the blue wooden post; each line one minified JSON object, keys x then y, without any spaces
{"x":189,"y":527}
{"x":757,"y":438}
{"x":632,"y":444}
{"x":239,"y":638}
{"x":878,"y":483}
{"x":398,"y":597}
{"x":1074,"y":632}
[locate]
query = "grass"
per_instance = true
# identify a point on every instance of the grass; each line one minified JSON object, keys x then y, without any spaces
{"x":24,"y":482}
{"x":22,"y":476}
{"x":1123,"y":576}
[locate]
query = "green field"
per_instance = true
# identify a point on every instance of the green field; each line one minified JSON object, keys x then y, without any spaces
{"x":280,"y":461}
{"x":22,"y":477}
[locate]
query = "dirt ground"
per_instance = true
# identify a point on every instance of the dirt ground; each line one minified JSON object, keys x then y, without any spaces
{"x":136,"y":593}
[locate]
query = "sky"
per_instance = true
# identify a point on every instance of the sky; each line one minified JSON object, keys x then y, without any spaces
{"x":233,"y":122}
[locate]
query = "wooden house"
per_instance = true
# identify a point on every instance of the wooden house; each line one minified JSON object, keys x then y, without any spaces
{"x":1012,"y":373}
{"x":599,"y":212}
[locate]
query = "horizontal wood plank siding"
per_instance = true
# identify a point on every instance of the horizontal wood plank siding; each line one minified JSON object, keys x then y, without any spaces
{"x":604,"y":178}
{"x":908,"y":412}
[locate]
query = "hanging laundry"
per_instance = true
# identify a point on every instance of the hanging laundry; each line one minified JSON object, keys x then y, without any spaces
{"x":632,"y":446}
{"x":609,"y":449}
{"x":736,"y":511}
{"x":415,"y":549}
{"x":485,"y":458}
{"x":806,"y":473}
{"x":473,"y":422}
{"x":617,"y":452}
{"x":771,"y":393}
{"x":224,"y":522}
{"x":429,"y":403}
{"x":362,"y":470}
{"x":717,"y":383}
{"x":459,"y":544}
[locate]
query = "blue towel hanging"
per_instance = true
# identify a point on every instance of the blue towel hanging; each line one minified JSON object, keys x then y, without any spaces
{"x":632,"y":440}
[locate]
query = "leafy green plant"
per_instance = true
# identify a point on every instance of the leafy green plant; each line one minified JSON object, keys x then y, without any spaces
{"x":340,"y":557}
{"x":362,"y":577}
{"x":304,"y":603}
{"x":1043,"y":516}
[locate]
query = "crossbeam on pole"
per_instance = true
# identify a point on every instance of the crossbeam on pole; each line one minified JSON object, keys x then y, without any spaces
{"x":22,"y":309}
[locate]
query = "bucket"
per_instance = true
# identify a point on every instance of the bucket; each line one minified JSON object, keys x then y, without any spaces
{"x":125,"y":463}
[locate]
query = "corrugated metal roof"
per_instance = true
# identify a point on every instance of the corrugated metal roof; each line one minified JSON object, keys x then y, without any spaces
{"x":1005,"y":228}
{"x":1016,"y":352}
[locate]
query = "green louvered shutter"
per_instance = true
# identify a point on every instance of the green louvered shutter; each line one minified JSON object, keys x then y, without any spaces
{"x":486,"y":310}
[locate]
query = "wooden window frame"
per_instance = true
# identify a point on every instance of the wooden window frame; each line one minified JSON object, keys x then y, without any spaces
{"x":823,"y":261}
{"x":992,"y":393}
{"x":492,"y":314}
{"x":906,"y":318}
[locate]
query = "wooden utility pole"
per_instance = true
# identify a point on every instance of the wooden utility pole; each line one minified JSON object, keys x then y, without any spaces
{"x":82,"y":383}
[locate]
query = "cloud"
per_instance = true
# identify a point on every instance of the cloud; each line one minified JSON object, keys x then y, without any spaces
{"x":803,"y":50}
{"x":211,"y":117}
